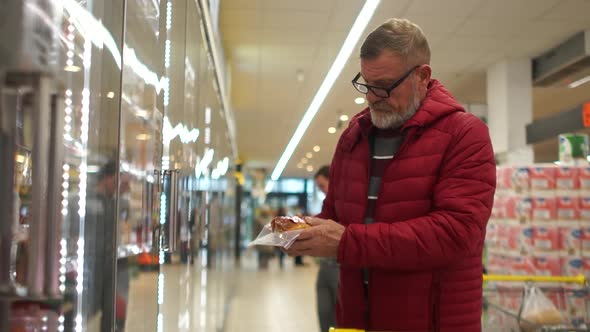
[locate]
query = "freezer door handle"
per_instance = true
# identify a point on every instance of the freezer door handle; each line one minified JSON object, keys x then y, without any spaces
{"x":166,"y":192}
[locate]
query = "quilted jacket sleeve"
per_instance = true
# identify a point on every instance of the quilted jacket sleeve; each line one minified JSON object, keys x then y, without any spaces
{"x":462,"y":202}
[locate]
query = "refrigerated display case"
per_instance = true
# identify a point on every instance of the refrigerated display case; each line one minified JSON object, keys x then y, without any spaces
{"x":114,"y":148}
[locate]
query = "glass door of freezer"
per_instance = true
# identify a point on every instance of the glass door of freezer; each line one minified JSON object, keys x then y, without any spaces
{"x":60,"y":70}
{"x":115,"y":213}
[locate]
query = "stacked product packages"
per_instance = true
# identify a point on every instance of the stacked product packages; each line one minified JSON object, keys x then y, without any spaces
{"x":540,"y":225}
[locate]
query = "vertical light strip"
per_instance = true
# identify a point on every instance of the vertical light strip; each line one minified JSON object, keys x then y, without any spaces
{"x":70,"y":45}
{"x":163,"y":208}
{"x":165,"y":159}
{"x":204,"y":263}
{"x":161,"y":288}
{"x":83,"y":170}
{"x":203,"y":295}
{"x":218,"y":63}
{"x":166,"y":83}
{"x":65,"y":192}
{"x":63,"y":251}
{"x":160,"y":323}
{"x":352,"y":39}
{"x":61,"y":320}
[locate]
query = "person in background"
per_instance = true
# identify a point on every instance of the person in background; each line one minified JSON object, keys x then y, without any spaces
{"x":299,"y":261}
{"x":327,"y":281}
{"x":412,"y":184}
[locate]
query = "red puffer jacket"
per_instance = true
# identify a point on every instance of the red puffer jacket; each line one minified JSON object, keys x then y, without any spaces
{"x":424,"y":252}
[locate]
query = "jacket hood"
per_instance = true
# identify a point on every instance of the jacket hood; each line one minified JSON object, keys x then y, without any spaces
{"x":437,"y":104}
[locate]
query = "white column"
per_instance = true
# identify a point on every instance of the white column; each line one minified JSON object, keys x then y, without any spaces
{"x":510,"y":109}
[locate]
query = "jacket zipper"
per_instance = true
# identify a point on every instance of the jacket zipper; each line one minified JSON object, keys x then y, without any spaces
{"x":366,"y":312}
{"x":402,"y":148}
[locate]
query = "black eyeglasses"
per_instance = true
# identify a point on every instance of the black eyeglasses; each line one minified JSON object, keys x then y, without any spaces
{"x":377,"y":90}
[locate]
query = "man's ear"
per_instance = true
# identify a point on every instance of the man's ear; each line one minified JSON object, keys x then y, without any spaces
{"x":424,"y":74}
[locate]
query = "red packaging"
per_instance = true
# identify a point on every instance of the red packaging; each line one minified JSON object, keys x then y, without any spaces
{"x":514,"y":301}
{"x":548,"y":264}
{"x":494,"y":317}
{"x":584,"y":177}
{"x":492,"y":263}
{"x":584,"y":208}
{"x":510,"y":206}
{"x":542,"y":177}
{"x":506,"y":264}
{"x":492,"y":235}
{"x":557,"y":297}
{"x":512,"y":233}
{"x":586,"y":266}
{"x":567,"y":178}
{"x":572,"y":265}
{"x":499,"y":207}
{"x":571,"y":237}
{"x":585,"y":236}
{"x":544,"y":208}
{"x":523,"y":265}
{"x":524,"y":209}
{"x":503,"y":177}
{"x":520,"y":180}
{"x":526,"y":237}
{"x":518,"y":208}
{"x":568,"y":208}
{"x":547,"y":237}
{"x":501,"y":235}
{"x":510,"y":297}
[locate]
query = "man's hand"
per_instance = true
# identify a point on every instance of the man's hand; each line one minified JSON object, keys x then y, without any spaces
{"x":321,"y":240}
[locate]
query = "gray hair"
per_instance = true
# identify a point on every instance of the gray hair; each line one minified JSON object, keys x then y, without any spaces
{"x":401,"y":37}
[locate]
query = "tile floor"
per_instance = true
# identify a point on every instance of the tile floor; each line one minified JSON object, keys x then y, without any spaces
{"x":194,"y":298}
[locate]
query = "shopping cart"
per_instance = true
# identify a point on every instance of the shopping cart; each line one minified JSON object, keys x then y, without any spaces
{"x":504,"y":297}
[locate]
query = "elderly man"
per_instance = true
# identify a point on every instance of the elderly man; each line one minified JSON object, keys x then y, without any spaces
{"x":411,"y":189}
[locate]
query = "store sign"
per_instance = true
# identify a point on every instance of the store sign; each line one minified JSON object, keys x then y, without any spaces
{"x":586,"y":114}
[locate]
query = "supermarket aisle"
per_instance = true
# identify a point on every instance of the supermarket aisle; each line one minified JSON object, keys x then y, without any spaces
{"x":274,"y":300}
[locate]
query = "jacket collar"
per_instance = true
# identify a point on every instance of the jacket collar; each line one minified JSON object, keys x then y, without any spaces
{"x":437,"y":104}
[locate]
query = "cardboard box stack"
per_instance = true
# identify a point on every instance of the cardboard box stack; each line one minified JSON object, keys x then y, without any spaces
{"x":540,"y":225}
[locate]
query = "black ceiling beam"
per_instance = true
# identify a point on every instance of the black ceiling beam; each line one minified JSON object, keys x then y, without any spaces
{"x":550,"y":127}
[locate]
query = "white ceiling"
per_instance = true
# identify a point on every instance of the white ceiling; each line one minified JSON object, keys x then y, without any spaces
{"x":268,"y":41}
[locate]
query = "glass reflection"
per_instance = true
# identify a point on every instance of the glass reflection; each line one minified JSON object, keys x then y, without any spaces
{"x":144,"y":85}
{"x":133,"y":105}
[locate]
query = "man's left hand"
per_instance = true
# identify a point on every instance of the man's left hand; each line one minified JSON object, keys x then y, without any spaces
{"x":321,"y":240}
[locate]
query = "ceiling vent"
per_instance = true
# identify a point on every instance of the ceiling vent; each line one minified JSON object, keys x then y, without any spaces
{"x":566,"y":65}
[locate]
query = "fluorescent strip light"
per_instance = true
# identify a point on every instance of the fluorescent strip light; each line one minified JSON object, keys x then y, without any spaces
{"x":269,"y":186}
{"x":352,"y":39}
{"x":579,"y":82}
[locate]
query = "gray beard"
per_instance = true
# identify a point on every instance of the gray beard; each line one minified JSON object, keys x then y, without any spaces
{"x":388,"y":119}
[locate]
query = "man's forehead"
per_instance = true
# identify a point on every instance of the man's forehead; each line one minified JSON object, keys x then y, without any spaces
{"x":386,"y":66}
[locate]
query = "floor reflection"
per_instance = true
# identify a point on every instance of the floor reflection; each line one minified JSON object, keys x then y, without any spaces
{"x":274,"y":299}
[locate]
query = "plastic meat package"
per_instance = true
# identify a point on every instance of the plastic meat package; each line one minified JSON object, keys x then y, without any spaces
{"x":281,"y":232}
{"x":538,"y":311}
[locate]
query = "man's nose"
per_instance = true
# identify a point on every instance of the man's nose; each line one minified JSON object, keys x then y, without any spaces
{"x":371,"y":98}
